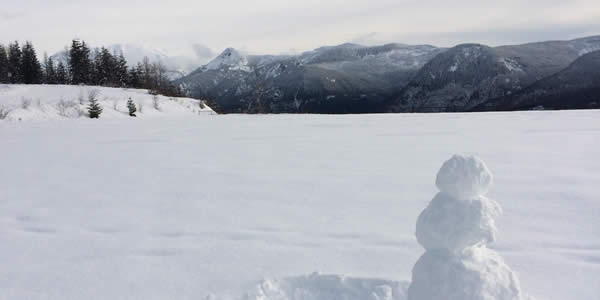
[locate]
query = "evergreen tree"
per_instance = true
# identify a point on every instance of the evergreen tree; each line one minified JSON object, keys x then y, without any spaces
{"x":106,"y":68}
{"x":141,"y":76}
{"x":133,"y":79}
{"x":86,"y":62}
{"x":94,"y":108}
{"x":96,"y":76}
{"x":62,"y":77}
{"x":45,"y":68}
{"x":50,"y":71}
{"x":14,"y":62}
{"x":31,"y":70}
{"x":122,"y":74}
{"x":131,"y":107}
{"x":3,"y":65}
{"x":80,"y":65}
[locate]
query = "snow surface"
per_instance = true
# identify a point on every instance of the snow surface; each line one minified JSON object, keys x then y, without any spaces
{"x":222,"y":207}
{"x":511,"y":65}
{"x":47,"y":102}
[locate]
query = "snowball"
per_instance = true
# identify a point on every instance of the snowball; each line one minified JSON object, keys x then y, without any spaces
{"x":454,"y":225}
{"x":477,"y":274}
{"x":464,"y":177}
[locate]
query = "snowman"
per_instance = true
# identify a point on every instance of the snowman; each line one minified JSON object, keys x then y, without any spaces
{"x":455,"y":230}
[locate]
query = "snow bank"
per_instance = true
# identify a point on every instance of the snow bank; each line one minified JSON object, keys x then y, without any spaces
{"x":50,"y":102}
{"x":328,"y":287}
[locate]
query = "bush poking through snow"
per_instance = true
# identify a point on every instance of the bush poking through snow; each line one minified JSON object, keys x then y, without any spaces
{"x":64,"y":107}
{"x":94,"y":108}
{"x":140,"y":106}
{"x":4,"y":112}
{"x":131,"y":107}
{"x":81,"y":98}
{"x":202,"y":104}
{"x":25,"y":103}
{"x":155,"y":102}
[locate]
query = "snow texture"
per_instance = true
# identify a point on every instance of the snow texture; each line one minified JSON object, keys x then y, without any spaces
{"x":477,"y":274}
{"x":175,"y":206}
{"x":454,"y":225}
{"x":464,"y":177}
{"x":455,"y":233}
{"x":328,"y":287}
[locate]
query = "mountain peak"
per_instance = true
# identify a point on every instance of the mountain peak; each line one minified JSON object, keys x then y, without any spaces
{"x":231,"y":59}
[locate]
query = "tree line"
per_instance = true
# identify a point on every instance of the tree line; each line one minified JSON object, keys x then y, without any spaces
{"x":82,"y":66}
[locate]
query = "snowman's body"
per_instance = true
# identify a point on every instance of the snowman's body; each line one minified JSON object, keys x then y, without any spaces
{"x":455,"y":229}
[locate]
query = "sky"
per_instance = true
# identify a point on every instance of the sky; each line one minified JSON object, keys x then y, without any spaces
{"x":202,"y":29}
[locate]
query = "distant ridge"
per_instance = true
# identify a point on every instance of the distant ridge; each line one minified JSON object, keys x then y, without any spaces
{"x":352,"y":78}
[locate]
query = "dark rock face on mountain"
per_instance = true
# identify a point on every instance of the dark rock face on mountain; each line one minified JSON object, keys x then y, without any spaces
{"x":351,"y":78}
{"x":576,"y":87}
{"x":462,"y":77}
{"x":468,"y":75}
{"x":342,"y":79}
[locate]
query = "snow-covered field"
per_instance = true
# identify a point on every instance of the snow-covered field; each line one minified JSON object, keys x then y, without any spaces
{"x":50,"y":102}
{"x":248,"y":207}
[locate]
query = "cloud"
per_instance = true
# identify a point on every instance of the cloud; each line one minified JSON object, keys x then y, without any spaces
{"x":275,"y":26}
{"x":7,"y":16}
{"x":203,"y":52}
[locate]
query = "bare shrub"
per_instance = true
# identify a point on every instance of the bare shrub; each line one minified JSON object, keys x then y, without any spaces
{"x":4,"y":111}
{"x":64,"y":107}
{"x":155,"y":102}
{"x":81,"y":97}
{"x":202,"y":104}
{"x":25,"y":103}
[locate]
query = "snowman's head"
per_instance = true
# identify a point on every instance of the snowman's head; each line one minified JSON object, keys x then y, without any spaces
{"x":464,"y":177}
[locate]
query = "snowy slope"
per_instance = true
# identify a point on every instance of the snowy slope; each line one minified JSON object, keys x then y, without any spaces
{"x":246,"y":207}
{"x":43,"y":102}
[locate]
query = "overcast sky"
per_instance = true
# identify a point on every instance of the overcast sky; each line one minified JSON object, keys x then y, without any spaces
{"x":286,"y":26}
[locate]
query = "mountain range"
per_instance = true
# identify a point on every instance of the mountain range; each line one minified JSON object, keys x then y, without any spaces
{"x":351,"y":78}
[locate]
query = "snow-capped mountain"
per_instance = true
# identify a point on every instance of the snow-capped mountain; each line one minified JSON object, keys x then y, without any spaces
{"x":351,"y":78}
{"x":463,"y":76}
{"x":230,"y":59}
{"x":578,"y":86}
{"x":345,"y":78}
{"x":467,"y":75}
